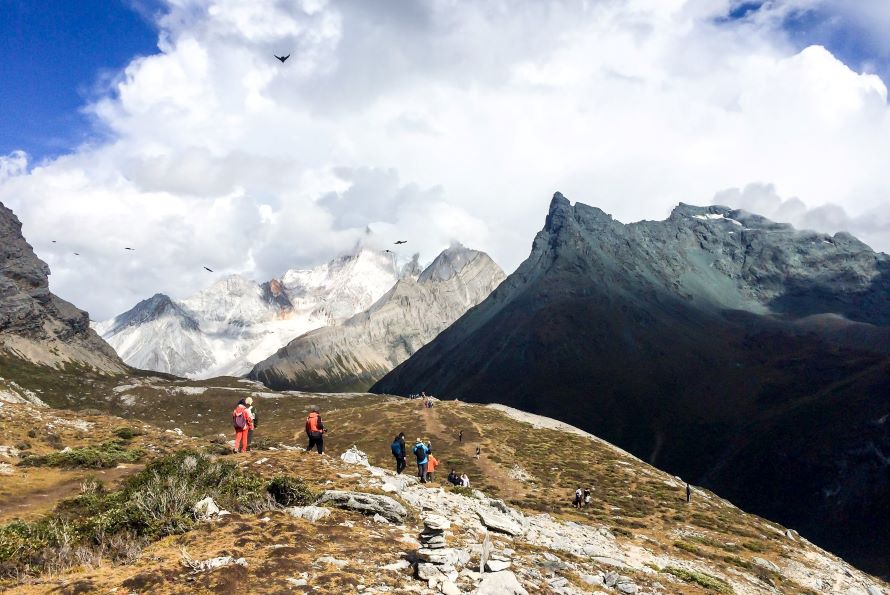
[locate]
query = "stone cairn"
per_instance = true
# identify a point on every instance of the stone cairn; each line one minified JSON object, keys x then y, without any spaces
{"x":436,"y":563}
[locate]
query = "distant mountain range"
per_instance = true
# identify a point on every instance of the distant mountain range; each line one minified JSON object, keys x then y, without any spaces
{"x":355,"y":354}
{"x":738,"y":352}
{"x":236,"y":322}
{"x":35,"y":324}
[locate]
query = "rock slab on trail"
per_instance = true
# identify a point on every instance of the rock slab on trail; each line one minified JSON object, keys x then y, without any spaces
{"x":369,"y":504}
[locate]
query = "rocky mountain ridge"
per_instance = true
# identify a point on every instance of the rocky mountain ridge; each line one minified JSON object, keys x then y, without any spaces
{"x":35,"y":324}
{"x":355,"y":354}
{"x":716,"y":344}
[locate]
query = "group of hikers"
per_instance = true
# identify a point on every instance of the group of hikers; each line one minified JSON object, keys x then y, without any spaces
{"x":426,"y":460}
{"x":245,"y":420}
{"x":582,"y":498}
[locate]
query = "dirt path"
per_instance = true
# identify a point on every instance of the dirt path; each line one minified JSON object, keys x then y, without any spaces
{"x":493,"y":472}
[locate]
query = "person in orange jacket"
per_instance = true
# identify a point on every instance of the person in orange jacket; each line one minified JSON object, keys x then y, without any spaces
{"x":431,"y":465}
{"x":315,"y":430}
{"x":243,"y":423}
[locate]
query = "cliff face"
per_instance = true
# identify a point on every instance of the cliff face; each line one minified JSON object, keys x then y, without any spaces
{"x":716,"y":344}
{"x":355,"y":354}
{"x":35,"y":324}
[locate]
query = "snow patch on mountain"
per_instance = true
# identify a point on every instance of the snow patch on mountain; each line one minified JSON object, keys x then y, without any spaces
{"x":225,"y":329}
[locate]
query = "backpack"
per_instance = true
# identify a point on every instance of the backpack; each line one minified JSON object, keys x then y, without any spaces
{"x":239,"y":420}
{"x":396,"y":448}
{"x":420,"y":452}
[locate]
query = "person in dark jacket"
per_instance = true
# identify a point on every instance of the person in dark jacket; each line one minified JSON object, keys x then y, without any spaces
{"x":422,"y":452}
{"x":688,"y":493}
{"x":315,"y":430}
{"x":398,"y":451}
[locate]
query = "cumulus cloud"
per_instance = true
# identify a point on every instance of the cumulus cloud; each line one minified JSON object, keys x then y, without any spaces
{"x":435,"y":121}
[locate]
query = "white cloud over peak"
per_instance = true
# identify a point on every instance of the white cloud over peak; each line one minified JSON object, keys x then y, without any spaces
{"x":431,"y":122}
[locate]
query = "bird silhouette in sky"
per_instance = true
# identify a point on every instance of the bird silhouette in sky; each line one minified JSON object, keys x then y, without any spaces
{"x":54,"y":241}
{"x":129,"y":248}
{"x":282,"y":58}
{"x":388,"y":251}
{"x":76,"y":254}
{"x":397,"y":242}
{"x":206,"y":269}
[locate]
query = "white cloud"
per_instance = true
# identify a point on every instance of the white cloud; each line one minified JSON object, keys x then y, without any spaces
{"x":435,"y":121}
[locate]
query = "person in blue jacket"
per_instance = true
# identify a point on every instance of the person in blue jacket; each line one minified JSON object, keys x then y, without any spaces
{"x":421,"y":452}
{"x":398,"y":451}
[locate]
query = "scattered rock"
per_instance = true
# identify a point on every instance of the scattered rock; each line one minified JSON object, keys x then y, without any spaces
{"x":449,"y":588}
{"x":212,"y":563}
{"x":207,"y":510}
{"x":354,"y":456}
{"x":872,"y":590}
{"x":310,"y":513}
{"x":332,"y":561}
{"x":297,"y":582}
{"x":765,"y":564}
{"x":486,"y":552}
{"x":398,"y":566}
{"x":500,"y":583}
{"x":367,"y":504}
{"x":499,"y":522}
{"x":611,"y":579}
{"x":379,"y":519}
{"x":497,"y":565}
{"x":435,"y":522}
{"x":444,"y":556}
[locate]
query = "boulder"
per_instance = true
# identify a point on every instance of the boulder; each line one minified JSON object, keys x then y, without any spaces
{"x":354,"y":456}
{"x":369,"y":504}
{"x":766,"y":564}
{"x":435,"y":522}
{"x":207,"y":510}
{"x":310,"y":513}
{"x":497,"y":565}
{"x":443,"y":556}
{"x":449,"y":588}
{"x":500,"y":583}
{"x":499,"y":522}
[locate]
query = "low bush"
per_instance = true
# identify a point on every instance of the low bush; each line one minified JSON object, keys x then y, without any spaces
{"x":291,"y":491}
{"x":126,"y":433}
{"x":100,"y":524}
{"x":461,"y":490}
{"x":109,"y":454}
{"x":711,"y":583}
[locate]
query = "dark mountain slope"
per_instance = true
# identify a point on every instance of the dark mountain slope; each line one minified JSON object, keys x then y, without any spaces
{"x":715,"y":344}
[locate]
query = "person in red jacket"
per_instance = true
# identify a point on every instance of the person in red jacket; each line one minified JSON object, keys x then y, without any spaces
{"x":243,"y":423}
{"x":315,"y":430}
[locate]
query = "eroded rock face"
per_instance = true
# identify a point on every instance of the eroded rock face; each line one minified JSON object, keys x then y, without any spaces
{"x":740,"y":353}
{"x":34,"y":323}
{"x":369,"y":504}
{"x":355,"y":354}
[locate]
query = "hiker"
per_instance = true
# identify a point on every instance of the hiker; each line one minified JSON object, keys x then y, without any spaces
{"x":315,"y":430}
{"x":454,"y":478}
{"x":586,"y":498}
{"x":431,"y":467}
{"x":576,"y":503}
{"x":398,"y":451}
{"x":421,"y":452}
{"x":464,"y":480}
{"x":688,"y":493}
{"x":242,"y":423}
{"x":252,"y":410}
{"x":478,"y":452}
{"x":460,"y":436}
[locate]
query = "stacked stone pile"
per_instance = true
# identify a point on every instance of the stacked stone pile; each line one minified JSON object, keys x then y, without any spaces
{"x":438,"y":564}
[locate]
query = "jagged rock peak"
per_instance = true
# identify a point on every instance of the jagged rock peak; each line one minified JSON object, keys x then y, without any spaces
{"x":155,"y":307}
{"x":450,"y":263}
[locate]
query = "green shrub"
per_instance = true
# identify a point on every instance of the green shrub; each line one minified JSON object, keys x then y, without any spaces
{"x":712,"y":583}
{"x":126,"y":433}
{"x":109,"y":454}
{"x":291,"y":491}
{"x":461,"y":490}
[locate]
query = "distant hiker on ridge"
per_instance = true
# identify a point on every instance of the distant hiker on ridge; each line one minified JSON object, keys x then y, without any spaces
{"x":399,"y":452}
{"x":315,"y":430}
{"x":242,"y":423}
{"x":478,"y":452}
{"x":460,"y":436}
{"x":688,"y":492}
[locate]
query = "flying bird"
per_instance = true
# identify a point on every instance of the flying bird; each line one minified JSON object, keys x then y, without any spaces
{"x":54,"y":241}
{"x":401,"y":242}
{"x":206,"y":269}
{"x":76,"y":254}
{"x":282,"y":58}
{"x":129,"y":248}
{"x":388,"y":251}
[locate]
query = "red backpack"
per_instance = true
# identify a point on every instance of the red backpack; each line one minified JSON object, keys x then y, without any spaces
{"x":238,"y":418}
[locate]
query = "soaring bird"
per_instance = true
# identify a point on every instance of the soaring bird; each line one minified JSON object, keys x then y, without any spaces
{"x":282,"y":58}
{"x":388,"y":251}
{"x":401,"y":242}
{"x":206,"y":269}
{"x":129,"y":248}
{"x":76,"y":254}
{"x":54,"y":241}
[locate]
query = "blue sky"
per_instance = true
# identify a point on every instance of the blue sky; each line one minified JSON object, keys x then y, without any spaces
{"x":54,"y":55}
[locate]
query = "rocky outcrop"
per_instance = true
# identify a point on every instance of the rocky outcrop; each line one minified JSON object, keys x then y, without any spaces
{"x":355,"y":354}
{"x":369,"y":504}
{"x":35,"y":324}
{"x":742,"y":353}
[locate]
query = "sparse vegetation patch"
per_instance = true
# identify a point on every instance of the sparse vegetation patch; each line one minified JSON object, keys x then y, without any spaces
{"x":103,"y":456}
